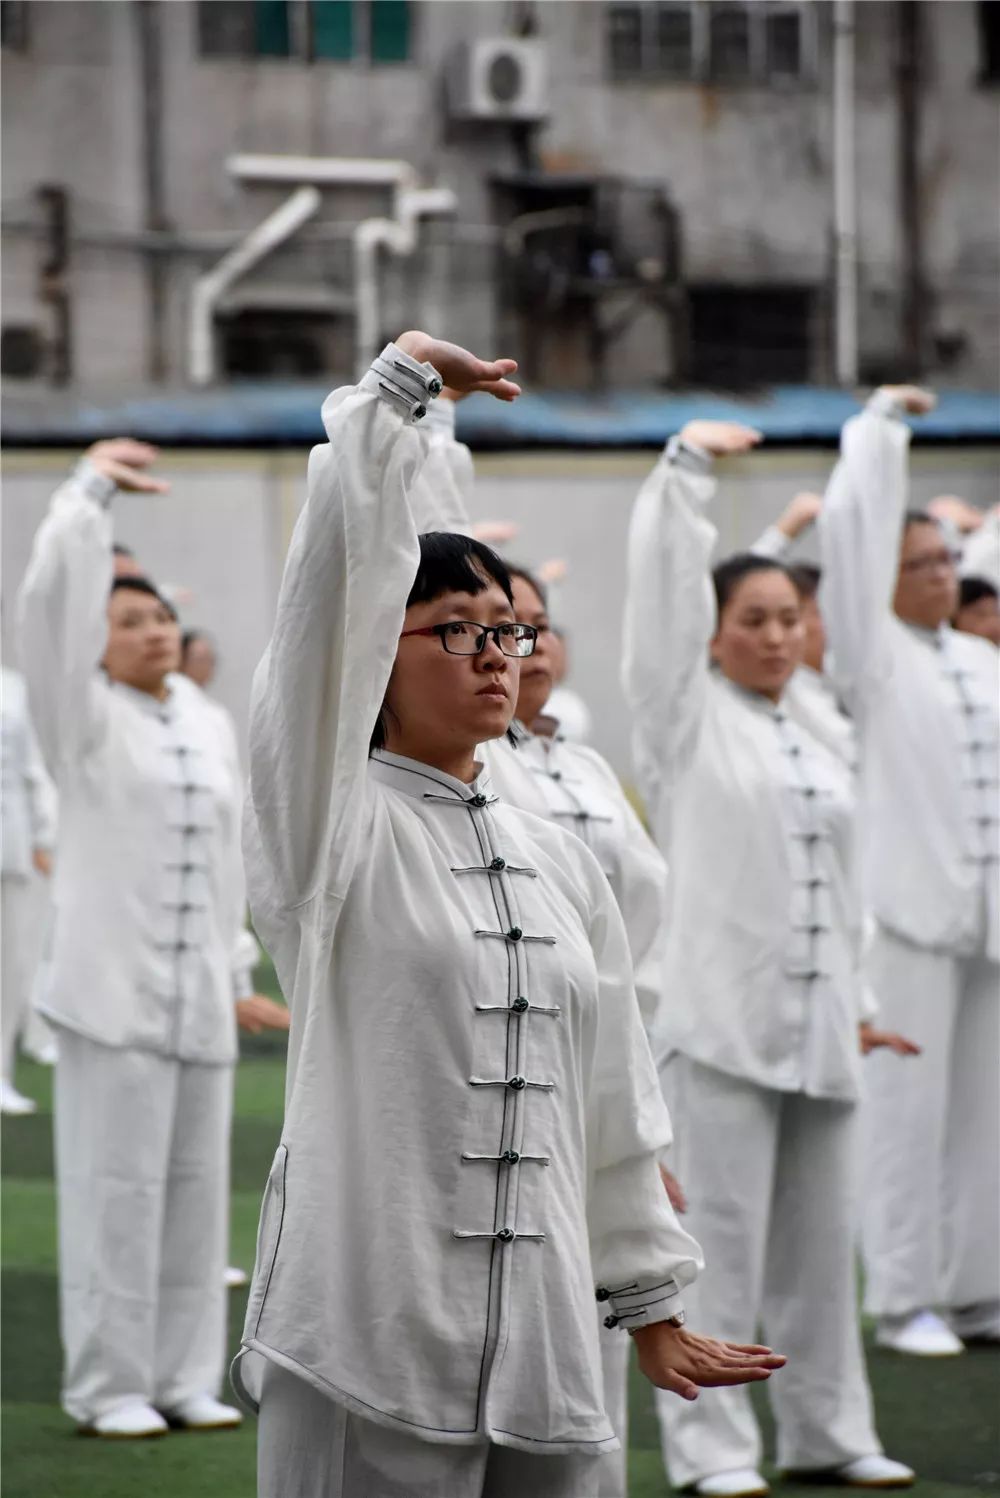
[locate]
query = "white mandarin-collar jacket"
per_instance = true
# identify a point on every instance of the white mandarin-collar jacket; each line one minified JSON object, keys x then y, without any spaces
{"x":926,"y":706}
{"x":568,"y":783}
{"x":27,"y":795}
{"x":472,"y":1114}
{"x":755,"y":818}
{"x":149,"y":889}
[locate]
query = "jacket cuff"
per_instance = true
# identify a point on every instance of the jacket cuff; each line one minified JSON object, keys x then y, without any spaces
{"x":688,"y":456}
{"x":403,"y":382}
{"x":881,"y":403}
{"x":97,"y":486}
{"x":636,"y":1305}
{"x":242,"y":984}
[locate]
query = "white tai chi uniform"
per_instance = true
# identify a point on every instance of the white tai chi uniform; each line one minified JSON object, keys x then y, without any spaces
{"x":926,"y":707}
{"x":574,"y":787}
{"x":472,"y":1116}
{"x":27,"y":822}
{"x":981,"y":550}
{"x":144,"y":971}
{"x":758,"y":1028}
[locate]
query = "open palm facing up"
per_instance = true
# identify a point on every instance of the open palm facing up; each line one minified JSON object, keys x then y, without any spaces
{"x":674,"y":1358}
{"x":461,"y":371}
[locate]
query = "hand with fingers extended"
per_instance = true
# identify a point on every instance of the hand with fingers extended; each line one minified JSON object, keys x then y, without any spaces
{"x":889,"y":1040}
{"x":555,"y":570}
{"x":721,"y":438}
{"x":911,"y":398}
{"x":258,"y":1013}
{"x":124,"y":460}
{"x":682,"y":1362}
{"x":461,"y":371}
{"x":800,"y":513}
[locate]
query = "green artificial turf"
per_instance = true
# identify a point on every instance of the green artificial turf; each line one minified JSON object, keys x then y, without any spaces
{"x":942,"y":1417}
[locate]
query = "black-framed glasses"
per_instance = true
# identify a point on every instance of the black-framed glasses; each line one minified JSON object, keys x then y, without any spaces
{"x":463,"y":637}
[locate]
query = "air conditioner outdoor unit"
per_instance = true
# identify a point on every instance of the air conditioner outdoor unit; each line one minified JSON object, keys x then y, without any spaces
{"x":502,"y":78}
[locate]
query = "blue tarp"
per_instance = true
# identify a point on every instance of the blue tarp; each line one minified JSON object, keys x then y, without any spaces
{"x":288,"y":415}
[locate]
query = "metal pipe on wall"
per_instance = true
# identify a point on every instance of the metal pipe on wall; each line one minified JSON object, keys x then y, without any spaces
{"x":914,"y":305}
{"x":845,"y":196}
{"x":154,"y":217}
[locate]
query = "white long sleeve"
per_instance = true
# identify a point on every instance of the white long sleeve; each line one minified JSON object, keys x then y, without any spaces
{"x":860,"y":526}
{"x":319,"y":687}
{"x":773,"y":543}
{"x":63,"y":618}
{"x":669,"y":619}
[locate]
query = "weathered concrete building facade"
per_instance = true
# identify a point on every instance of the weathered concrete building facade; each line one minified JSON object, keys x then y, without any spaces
{"x":647,"y":187}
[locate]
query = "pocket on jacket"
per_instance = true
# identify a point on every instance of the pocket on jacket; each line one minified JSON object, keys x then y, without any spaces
{"x":272,"y":1216}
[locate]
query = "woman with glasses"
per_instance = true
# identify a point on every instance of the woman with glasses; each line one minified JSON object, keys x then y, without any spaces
{"x":472,"y":1119}
{"x":759,"y":1030}
{"x":571,"y":785}
{"x":925,"y":699}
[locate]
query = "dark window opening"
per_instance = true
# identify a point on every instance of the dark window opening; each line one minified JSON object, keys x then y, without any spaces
{"x":729,"y":43}
{"x":750,"y":335}
{"x":244,"y":28}
{"x":14,"y":25}
{"x":989,"y":41}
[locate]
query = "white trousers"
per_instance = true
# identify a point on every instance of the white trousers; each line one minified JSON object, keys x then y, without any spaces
{"x":310,"y":1447}
{"x":931,"y":1225}
{"x":142,"y":1175}
{"x":770,"y":1180}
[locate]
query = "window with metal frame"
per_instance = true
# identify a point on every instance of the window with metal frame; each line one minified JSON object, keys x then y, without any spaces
{"x":728,"y":42}
{"x":369,"y":31}
{"x":14,"y":25}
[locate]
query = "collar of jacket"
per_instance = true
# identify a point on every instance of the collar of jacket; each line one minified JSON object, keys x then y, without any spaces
{"x":145,"y":701}
{"x":419,"y":780}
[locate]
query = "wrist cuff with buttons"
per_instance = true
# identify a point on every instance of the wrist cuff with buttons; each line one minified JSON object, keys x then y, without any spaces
{"x":882,"y":403}
{"x":635,"y":1305}
{"x":97,"y":486}
{"x":402,"y":380}
{"x":688,"y":455}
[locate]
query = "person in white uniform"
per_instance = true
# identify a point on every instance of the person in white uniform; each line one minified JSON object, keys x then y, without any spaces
{"x":27,"y":838}
{"x":758,"y":1032}
{"x":535,"y":768}
{"x":925,"y":699}
{"x":472,"y":1117}
{"x":144,"y":988}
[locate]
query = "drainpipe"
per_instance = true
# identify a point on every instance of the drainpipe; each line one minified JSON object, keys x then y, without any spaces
{"x":914,"y":306}
{"x":845,"y":197}
{"x":208,"y":290}
{"x":154,"y":219}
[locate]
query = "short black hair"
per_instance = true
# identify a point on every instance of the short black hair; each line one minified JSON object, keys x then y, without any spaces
{"x":731,"y":572}
{"x":972,"y":589}
{"x":806,"y":577}
{"x":449,"y":563}
{"x":527,"y":576}
{"x":119,"y":550}
{"x":143,"y":585}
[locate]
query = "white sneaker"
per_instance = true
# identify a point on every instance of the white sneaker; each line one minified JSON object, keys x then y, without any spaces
{"x":129,"y":1422}
{"x":204,"y":1413}
{"x":924,"y":1335}
{"x":875,"y":1472}
{"x":15,"y":1103}
{"x":743,"y":1482}
{"x":235,"y":1279}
